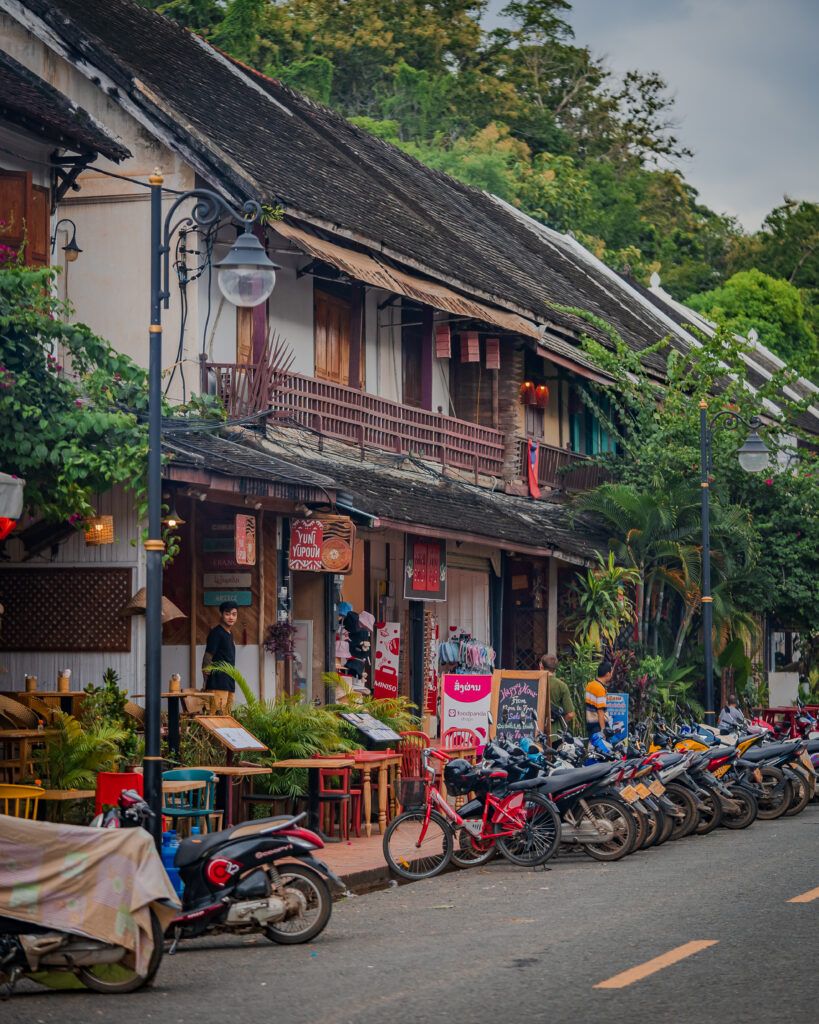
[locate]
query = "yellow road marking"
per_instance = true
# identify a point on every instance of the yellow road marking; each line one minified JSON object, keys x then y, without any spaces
{"x":657,"y":964}
{"x":806,"y":897}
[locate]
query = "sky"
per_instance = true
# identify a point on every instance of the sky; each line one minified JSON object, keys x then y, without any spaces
{"x":745,"y":76}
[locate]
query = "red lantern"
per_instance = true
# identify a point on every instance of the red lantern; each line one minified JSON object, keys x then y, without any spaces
{"x":527,"y":393}
{"x":541,"y":396}
{"x":6,"y":526}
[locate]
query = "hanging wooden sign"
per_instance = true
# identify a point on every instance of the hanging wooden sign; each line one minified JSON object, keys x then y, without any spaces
{"x":306,"y":539}
{"x":338,"y":544}
{"x":245,"y":539}
{"x":424,"y":569}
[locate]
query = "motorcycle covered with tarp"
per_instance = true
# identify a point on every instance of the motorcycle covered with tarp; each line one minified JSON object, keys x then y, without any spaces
{"x":92,"y":903}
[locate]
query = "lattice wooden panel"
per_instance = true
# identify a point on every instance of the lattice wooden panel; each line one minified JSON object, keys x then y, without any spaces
{"x":65,"y":609}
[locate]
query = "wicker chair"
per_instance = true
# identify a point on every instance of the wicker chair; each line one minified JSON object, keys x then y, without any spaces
{"x":18,"y":714}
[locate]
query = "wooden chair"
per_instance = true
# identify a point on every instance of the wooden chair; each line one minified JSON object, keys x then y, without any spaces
{"x":409,"y":747}
{"x":20,"y":801}
{"x":18,"y":714}
{"x":192,"y":805}
{"x":335,"y":795}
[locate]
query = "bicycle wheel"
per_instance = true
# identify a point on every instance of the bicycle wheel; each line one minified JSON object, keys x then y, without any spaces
{"x":538,"y":838}
{"x":411,"y":857}
{"x":471,"y":851}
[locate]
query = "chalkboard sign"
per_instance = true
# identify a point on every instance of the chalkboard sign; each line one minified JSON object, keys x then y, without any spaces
{"x":375,"y":734}
{"x":520,"y":704}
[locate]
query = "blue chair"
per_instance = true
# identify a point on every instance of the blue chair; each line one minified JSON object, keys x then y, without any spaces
{"x":191,"y":805}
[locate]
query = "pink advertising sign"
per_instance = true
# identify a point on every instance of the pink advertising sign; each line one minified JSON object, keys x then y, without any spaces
{"x":387,"y":653}
{"x":465,"y":702}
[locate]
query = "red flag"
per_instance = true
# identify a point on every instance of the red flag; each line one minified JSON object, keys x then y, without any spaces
{"x":532,"y":456}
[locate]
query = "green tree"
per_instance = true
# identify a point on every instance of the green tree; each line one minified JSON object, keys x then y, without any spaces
{"x":773,"y":307}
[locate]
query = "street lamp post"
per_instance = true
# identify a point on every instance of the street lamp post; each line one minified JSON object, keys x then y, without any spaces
{"x":753,"y":457}
{"x":246,"y":277}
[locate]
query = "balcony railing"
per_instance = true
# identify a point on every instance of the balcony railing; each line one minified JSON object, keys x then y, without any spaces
{"x":334,"y":410}
{"x":558,"y":467}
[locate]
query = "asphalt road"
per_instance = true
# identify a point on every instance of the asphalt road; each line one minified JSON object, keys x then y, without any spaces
{"x":500,"y":943}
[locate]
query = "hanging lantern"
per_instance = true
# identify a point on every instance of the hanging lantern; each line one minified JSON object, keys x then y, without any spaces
{"x":493,"y":353}
{"x":527,"y":393}
{"x":541,"y":396}
{"x":99,"y":530}
{"x":470,"y":347}
{"x":6,"y":526}
{"x":443,"y":341}
{"x":11,"y":503}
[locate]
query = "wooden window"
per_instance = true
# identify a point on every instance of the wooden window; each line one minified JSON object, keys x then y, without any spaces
{"x":534,"y":422}
{"x":413,"y":390}
{"x":25,"y":211}
{"x":338,"y":353}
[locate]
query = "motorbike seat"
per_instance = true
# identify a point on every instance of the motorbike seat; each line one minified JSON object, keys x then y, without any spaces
{"x":723,"y":750}
{"x":670,"y":758}
{"x":193,"y":849}
{"x":813,"y":746}
{"x":770,"y":750}
{"x":524,"y":784}
{"x":574,"y":777}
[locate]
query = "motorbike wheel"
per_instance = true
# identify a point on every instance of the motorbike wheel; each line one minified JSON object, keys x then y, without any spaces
{"x":773,"y":805}
{"x":319,"y":906}
{"x":710,"y":818}
{"x":617,"y":815}
{"x":641,"y":828}
{"x":401,"y":849}
{"x":470,"y":851}
{"x":655,"y":822}
{"x":802,"y":794}
{"x":120,"y":978}
{"x":680,"y":796}
{"x":537,"y":841}
{"x":747,"y":816}
{"x":666,"y":829}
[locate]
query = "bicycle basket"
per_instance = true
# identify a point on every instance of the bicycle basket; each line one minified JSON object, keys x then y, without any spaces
{"x":411,"y":793}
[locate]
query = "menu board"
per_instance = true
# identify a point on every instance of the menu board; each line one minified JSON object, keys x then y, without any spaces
{"x":230,"y":733}
{"x":377,"y":735}
{"x":520,"y":704}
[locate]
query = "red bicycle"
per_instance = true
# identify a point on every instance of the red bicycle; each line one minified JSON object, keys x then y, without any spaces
{"x":430,"y":833}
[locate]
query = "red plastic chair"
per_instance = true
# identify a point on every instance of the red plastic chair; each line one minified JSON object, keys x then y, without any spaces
{"x":110,"y":786}
{"x":461,"y":738}
{"x":336,"y":793}
{"x":409,"y":747}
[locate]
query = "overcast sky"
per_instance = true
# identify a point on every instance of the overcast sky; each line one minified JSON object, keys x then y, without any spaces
{"x":745,"y":74}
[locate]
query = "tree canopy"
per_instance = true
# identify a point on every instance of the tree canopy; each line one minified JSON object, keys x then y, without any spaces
{"x":527,"y":111}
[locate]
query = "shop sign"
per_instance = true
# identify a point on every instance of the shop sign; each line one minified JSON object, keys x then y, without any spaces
{"x":223,"y":544}
{"x":387,"y":655}
{"x":214,"y":562}
{"x":306,"y":538}
{"x":424,"y":569}
{"x":519,"y":704}
{"x":617,"y":710}
{"x":465,"y":703}
{"x":241,"y":598}
{"x":245,"y":539}
{"x":227,"y":579}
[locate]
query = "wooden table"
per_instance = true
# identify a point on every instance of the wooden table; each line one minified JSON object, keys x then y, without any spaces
{"x":228,"y":773}
{"x":365,"y":762}
{"x":68,"y":794}
{"x":27,"y":738}
{"x":182,"y":785}
{"x":313,"y":766}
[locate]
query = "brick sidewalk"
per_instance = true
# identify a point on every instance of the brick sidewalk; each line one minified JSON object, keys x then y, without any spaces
{"x":360,"y":862}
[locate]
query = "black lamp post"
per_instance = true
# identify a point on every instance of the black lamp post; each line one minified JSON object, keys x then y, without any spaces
{"x":246,"y":277}
{"x":753,"y":457}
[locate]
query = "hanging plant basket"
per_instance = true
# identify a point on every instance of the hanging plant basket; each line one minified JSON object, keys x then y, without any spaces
{"x":280,"y":639}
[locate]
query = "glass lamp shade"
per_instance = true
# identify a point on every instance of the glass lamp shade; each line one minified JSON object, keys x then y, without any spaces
{"x":754,"y":455}
{"x":246,"y":275}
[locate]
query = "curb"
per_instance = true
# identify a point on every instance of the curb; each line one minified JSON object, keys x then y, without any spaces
{"x":360,"y":882}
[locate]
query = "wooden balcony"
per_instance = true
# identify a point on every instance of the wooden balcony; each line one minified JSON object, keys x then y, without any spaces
{"x":559,"y":467}
{"x":333,"y":410}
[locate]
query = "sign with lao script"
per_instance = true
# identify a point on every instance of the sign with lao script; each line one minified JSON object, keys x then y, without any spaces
{"x":245,"y":539}
{"x":520,"y":703}
{"x":424,"y":569}
{"x":617,"y":710}
{"x":306,"y":539}
{"x":465,"y":702}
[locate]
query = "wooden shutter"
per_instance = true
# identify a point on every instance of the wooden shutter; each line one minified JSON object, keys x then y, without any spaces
{"x":25,"y":212}
{"x":332,"y":337}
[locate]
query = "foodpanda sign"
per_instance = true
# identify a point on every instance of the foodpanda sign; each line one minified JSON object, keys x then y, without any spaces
{"x":465,"y":702}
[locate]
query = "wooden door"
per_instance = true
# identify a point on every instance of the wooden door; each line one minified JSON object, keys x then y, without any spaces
{"x":332,"y":322}
{"x":25,"y":216}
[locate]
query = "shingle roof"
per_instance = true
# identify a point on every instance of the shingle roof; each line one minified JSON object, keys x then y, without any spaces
{"x":28,"y":101}
{"x":263,"y":140}
{"x":404,"y":492}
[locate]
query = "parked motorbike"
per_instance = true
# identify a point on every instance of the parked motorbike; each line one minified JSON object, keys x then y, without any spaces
{"x":256,"y":877}
{"x":29,"y":947}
